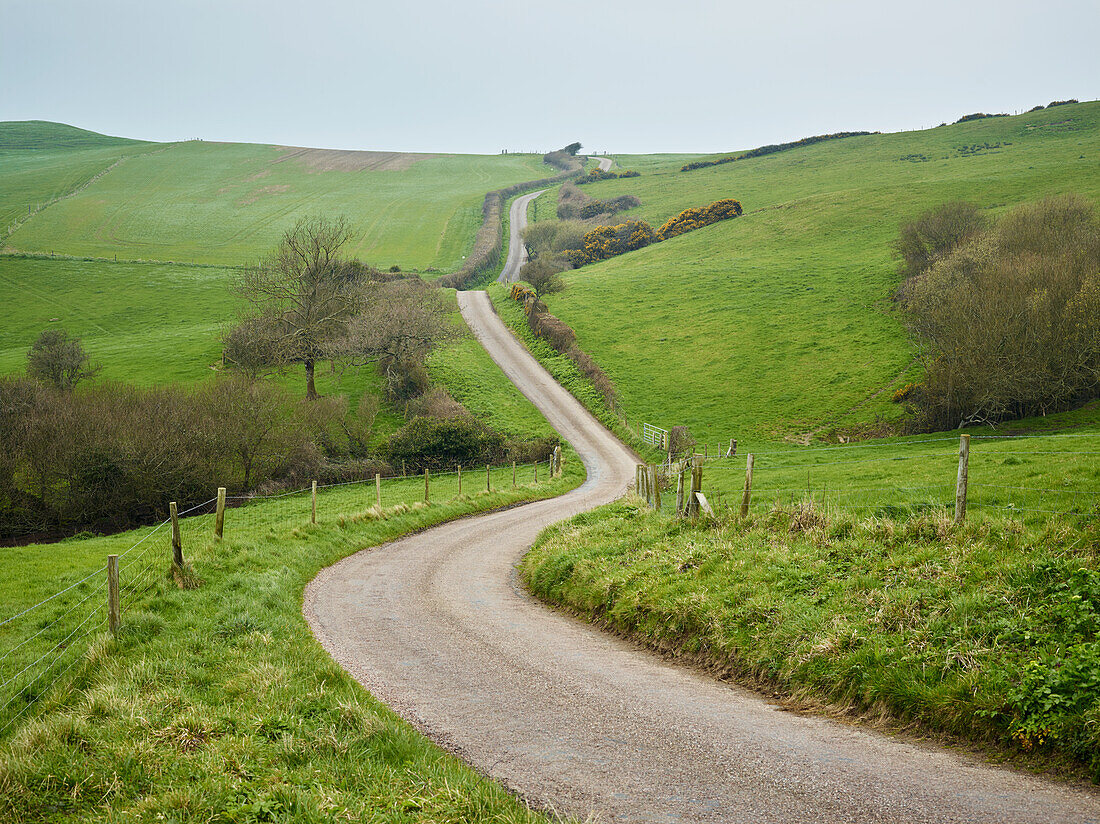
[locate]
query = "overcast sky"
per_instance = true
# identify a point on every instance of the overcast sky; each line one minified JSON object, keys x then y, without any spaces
{"x":482,"y":75}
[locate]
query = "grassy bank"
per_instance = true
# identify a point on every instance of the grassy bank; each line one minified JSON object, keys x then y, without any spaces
{"x":216,"y":703}
{"x":986,"y":633}
{"x":563,"y":370}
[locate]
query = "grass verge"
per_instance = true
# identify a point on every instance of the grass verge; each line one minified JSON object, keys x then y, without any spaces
{"x":985,"y":634}
{"x":216,"y":704}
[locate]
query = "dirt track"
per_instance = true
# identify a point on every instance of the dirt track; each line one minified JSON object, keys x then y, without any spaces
{"x":438,"y":626}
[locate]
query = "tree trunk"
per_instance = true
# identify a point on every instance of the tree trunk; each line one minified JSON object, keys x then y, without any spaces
{"x":311,"y":388}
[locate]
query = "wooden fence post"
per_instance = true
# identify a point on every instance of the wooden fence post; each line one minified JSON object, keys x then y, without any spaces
{"x":378,"y":490}
{"x":427,"y":499}
{"x":536,"y":471}
{"x":513,"y":474}
{"x":692,"y":504}
{"x":113,"y":608}
{"x":655,"y":494}
{"x":680,"y":489}
{"x":313,"y":504}
{"x":219,"y":515}
{"x":460,"y":480}
{"x":177,"y":542}
{"x":557,"y":461}
{"x":960,"y":482}
{"x":488,"y":480}
{"x":746,"y":495}
{"x":733,"y":448}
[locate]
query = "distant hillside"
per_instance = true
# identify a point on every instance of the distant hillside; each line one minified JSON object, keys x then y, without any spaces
{"x":779,"y":323}
{"x":44,"y":135}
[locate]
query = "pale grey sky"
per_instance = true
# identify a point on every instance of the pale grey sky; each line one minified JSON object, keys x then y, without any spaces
{"x":481,"y":75}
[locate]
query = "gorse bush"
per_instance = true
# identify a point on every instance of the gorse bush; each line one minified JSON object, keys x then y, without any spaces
{"x":773,"y":148}
{"x":1007,"y":323}
{"x":605,"y":242}
{"x":698,"y":217}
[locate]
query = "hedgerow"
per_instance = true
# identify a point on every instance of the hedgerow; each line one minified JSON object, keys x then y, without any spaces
{"x":600,"y":174}
{"x":771,"y":149}
{"x":560,"y":336}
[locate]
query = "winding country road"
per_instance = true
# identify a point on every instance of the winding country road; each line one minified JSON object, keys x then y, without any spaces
{"x":439,"y":627}
{"x":517,"y":222}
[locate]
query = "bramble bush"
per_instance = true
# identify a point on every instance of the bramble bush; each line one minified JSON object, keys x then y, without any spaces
{"x":699,"y":216}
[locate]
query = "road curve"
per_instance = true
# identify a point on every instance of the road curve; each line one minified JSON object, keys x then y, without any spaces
{"x":439,"y":627}
{"x":517,"y":252}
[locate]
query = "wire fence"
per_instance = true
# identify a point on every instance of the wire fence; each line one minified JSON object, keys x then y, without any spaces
{"x":1027,"y":477}
{"x":42,"y":644}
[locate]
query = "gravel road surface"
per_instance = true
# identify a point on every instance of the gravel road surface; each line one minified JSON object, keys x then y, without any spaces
{"x":439,"y":627}
{"x":517,"y":252}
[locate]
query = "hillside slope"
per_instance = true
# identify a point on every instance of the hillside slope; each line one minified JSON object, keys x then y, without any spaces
{"x":227,"y":203}
{"x":780,"y":323}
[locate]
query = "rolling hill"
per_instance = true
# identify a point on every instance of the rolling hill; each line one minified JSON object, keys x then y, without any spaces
{"x":779,"y":324}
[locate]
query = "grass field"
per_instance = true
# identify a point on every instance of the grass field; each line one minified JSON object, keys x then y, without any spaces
{"x":779,"y":324}
{"x":40,"y":162}
{"x":227,"y":203}
{"x":217,"y":703}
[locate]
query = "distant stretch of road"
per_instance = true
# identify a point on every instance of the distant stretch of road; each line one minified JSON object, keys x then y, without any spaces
{"x":517,"y":222}
{"x":517,"y":252}
{"x":439,"y":627}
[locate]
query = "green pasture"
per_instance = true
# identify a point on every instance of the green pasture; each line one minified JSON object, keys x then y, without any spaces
{"x":217,"y":703}
{"x":780,"y":324}
{"x":41,"y":161}
{"x":229,"y":203}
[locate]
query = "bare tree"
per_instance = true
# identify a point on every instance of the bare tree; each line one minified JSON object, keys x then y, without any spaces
{"x":59,"y":360}
{"x":304,"y":295}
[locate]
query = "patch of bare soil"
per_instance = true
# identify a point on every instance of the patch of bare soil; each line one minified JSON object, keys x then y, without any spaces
{"x":256,"y":194}
{"x":335,"y":160}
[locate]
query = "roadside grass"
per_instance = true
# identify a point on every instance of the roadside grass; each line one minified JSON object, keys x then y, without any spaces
{"x":779,"y":324}
{"x":475,"y":381}
{"x":984,"y":634}
{"x":228,"y":203}
{"x":216,"y":703}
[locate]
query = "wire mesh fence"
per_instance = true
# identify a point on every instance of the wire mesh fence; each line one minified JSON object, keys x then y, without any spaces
{"x":45,"y":638}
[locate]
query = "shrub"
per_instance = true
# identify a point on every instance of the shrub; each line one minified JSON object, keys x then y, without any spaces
{"x":599,"y":174}
{"x":1005,"y":323}
{"x":605,"y":242}
{"x":966,"y":118}
{"x":59,"y":360}
{"x":562,"y":338}
{"x":935,"y":233}
{"x":441,"y":443}
{"x":1054,"y":103}
{"x":698,"y":217}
